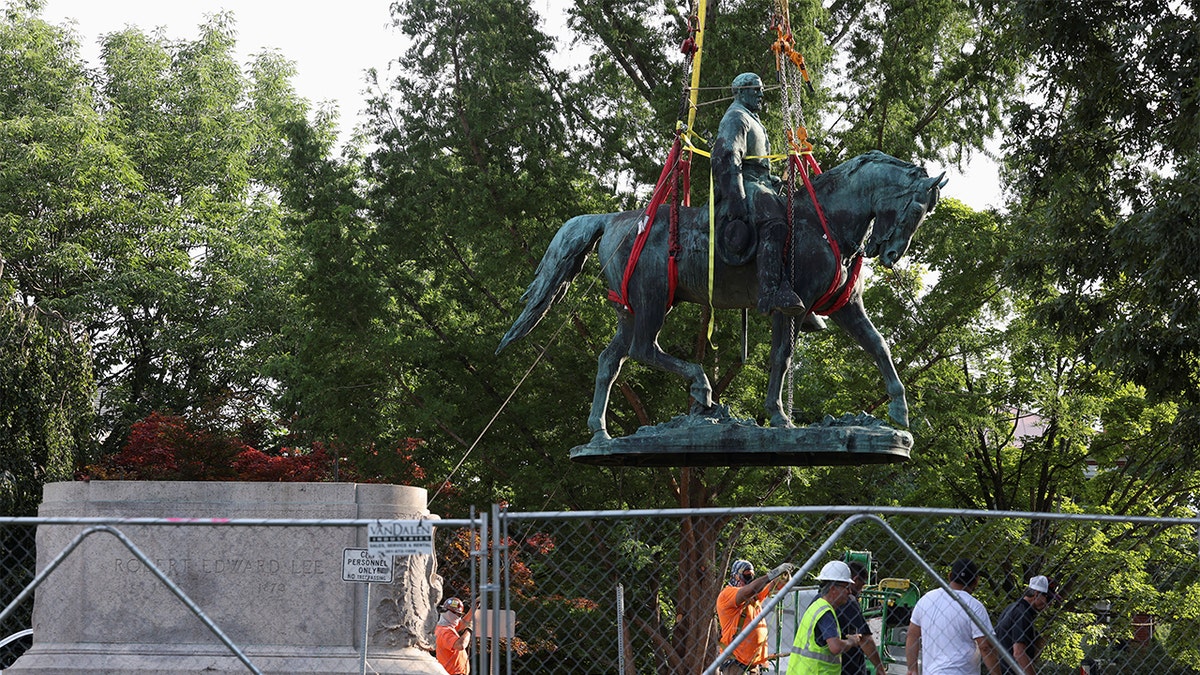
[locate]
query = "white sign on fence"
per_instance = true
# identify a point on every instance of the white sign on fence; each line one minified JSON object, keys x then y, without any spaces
{"x":400,"y":537}
{"x":359,"y":565}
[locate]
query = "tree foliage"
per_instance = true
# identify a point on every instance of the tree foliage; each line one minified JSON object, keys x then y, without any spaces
{"x":171,"y":447}
{"x":1104,"y":176}
{"x":137,"y":204}
{"x":46,"y":392}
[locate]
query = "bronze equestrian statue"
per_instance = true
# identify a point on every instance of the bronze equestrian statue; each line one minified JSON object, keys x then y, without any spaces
{"x":873,"y":205}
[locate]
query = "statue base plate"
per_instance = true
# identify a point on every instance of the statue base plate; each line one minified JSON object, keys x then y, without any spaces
{"x":717,"y":439}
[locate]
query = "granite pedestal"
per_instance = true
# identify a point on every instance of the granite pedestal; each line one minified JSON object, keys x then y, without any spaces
{"x":276,"y":592}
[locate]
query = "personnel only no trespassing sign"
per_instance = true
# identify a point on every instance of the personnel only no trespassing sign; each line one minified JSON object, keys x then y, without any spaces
{"x":359,"y":565}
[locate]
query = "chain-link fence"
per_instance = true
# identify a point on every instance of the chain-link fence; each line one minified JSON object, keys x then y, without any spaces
{"x":634,"y":592}
{"x":18,"y":560}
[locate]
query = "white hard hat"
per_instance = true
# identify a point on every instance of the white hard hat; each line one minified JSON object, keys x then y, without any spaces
{"x":835,"y":571}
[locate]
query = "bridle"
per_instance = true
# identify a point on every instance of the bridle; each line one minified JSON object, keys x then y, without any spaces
{"x":905,"y":222}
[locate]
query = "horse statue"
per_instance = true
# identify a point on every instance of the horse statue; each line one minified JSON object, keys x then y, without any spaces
{"x":873,"y":204}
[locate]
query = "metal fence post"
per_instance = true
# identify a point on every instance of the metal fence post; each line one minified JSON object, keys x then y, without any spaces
{"x":508,"y":652}
{"x":362,"y":662}
{"x":481,"y":659}
{"x":621,"y":629}
{"x":494,"y":589}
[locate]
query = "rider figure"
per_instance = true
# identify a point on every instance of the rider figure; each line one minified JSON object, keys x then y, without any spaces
{"x":747,"y":191}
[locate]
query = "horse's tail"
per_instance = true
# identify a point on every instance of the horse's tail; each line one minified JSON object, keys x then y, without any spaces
{"x":564,"y":259}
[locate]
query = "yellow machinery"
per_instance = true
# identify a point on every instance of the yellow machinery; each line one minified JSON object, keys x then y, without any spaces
{"x":889,"y":600}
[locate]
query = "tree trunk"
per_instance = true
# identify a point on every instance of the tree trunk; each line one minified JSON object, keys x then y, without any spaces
{"x":699,"y":579}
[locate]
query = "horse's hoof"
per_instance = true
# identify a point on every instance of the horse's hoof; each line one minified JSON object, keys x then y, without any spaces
{"x":781,"y":423}
{"x":600,"y":437}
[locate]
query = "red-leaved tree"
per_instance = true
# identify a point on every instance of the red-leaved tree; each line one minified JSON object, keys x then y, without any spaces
{"x":168,"y":447}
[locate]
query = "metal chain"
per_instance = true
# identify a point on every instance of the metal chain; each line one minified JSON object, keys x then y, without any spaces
{"x":793,"y":116}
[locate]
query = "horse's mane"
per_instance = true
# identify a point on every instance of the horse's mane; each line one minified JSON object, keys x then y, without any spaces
{"x":850,"y":166}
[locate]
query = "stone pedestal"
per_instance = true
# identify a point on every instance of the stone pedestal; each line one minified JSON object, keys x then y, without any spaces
{"x":276,"y":592}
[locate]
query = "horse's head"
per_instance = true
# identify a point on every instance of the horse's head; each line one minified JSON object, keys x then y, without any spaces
{"x":898,"y":213}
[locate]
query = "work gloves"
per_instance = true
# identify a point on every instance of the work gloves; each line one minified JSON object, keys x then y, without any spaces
{"x":784,"y":568}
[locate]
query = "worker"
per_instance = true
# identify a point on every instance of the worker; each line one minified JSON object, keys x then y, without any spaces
{"x":738,"y":604}
{"x":452,"y":634}
{"x":1015,"y":629}
{"x":850,"y":618}
{"x":819,"y":641}
{"x":942,"y":638}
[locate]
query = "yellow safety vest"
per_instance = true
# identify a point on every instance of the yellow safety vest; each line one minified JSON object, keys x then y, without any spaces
{"x":807,"y":656}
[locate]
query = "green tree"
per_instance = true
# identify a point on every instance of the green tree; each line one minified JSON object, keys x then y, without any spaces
{"x":928,"y":80}
{"x":139,"y":202}
{"x":344,"y":325}
{"x":1103,"y":173}
{"x":61,"y":178}
{"x":470,"y":176}
{"x":55,"y":168}
{"x":46,"y":392}
{"x":195,"y":295}
{"x":141,"y":238}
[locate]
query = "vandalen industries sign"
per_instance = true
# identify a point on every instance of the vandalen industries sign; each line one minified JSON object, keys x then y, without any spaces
{"x":400,"y":537}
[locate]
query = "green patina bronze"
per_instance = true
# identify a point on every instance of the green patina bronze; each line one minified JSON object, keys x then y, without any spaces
{"x":749,"y":208}
{"x":873,"y":203}
{"x":719,"y":439}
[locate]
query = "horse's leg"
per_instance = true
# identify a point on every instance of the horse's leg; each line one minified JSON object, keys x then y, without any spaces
{"x":646,"y":325}
{"x":783,"y":345}
{"x":609,"y":366}
{"x":853,"y":319}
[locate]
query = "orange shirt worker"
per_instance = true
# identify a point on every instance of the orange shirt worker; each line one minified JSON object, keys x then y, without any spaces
{"x":737,"y":604}
{"x":452,"y":634}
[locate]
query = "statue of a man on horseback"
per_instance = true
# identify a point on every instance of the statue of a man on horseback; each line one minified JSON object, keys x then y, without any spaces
{"x":874,"y":204}
{"x":749,"y":202}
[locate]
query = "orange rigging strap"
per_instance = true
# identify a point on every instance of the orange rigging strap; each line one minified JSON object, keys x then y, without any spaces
{"x":784,"y":46}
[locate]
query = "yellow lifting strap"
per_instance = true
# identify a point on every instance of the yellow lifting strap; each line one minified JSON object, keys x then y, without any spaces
{"x":689,"y":134}
{"x":712,"y":256}
{"x":695,"y":90}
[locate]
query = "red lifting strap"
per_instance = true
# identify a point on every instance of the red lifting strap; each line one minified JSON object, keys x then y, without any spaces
{"x":663,"y":189}
{"x":844,"y":296}
{"x":830,"y":301}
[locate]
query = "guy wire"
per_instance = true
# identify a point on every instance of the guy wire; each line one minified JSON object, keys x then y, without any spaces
{"x":571,"y":307}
